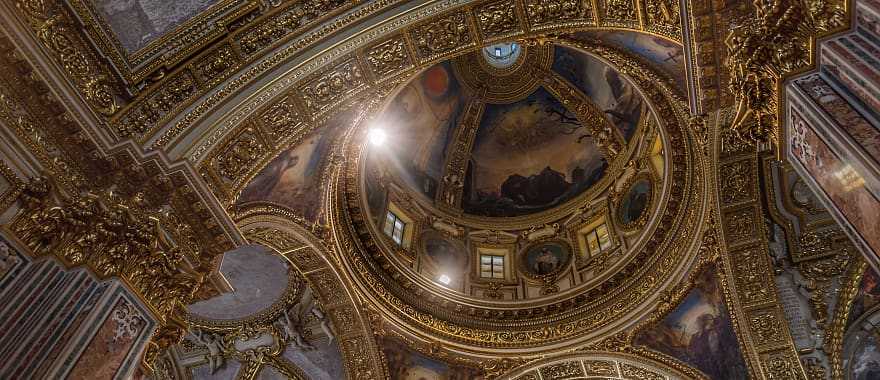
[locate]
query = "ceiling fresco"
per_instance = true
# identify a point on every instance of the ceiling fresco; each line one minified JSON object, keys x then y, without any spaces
{"x":608,"y":89}
{"x":517,"y":165}
{"x":661,"y":53}
{"x":420,"y":121}
{"x":700,"y":332}
{"x":258,"y":279}
{"x":526,"y":155}
{"x":137,"y":23}
{"x":432,"y":189}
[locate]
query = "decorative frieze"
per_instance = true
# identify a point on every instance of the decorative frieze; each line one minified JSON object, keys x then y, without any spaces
{"x":443,"y":35}
{"x":389,"y":57}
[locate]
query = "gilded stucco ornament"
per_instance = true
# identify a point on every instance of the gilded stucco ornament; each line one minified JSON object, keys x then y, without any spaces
{"x":147,"y":249}
{"x":66,"y":43}
{"x":765,"y":49}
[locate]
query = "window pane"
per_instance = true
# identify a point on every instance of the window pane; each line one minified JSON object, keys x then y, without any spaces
{"x":498,"y":275}
{"x":398,"y":236}
{"x":389,"y":223}
{"x":604,"y":238}
{"x":486,"y":259}
{"x":592,"y":242}
{"x":485,"y":267}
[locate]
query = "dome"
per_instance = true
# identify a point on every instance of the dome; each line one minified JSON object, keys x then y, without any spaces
{"x":496,"y":140}
{"x":488,"y":178}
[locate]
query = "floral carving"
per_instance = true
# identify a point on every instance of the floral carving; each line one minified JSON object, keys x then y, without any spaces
{"x":553,"y":11}
{"x":737,"y":183}
{"x":216,"y":63}
{"x":158,"y":105}
{"x":498,"y":18}
{"x":282,"y":119}
{"x":442,"y":35}
{"x":766,"y":327}
{"x":388,"y":57}
{"x":54,"y":30}
{"x":620,"y":10}
{"x":564,"y":370}
{"x":236,"y":159}
{"x":326,"y":89}
{"x":751,"y":274}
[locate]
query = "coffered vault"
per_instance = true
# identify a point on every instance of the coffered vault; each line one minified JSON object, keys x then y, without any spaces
{"x":562,"y":189}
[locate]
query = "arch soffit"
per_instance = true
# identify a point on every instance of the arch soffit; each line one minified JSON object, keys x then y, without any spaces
{"x":278,"y":229}
{"x":600,"y":364}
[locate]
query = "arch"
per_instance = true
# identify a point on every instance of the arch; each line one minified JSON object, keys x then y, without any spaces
{"x":279,"y":229}
{"x":600,"y":365}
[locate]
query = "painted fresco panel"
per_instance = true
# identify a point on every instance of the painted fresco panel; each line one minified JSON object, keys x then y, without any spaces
{"x":659,"y":52}
{"x":420,"y":122}
{"x":848,"y":118}
{"x":605,"y":86}
{"x":117,"y":344}
{"x":864,"y":364}
{"x":851,"y":198}
{"x":136,"y":23}
{"x":867,"y":298}
{"x":699,"y":332}
{"x":293,"y":179}
{"x":405,"y":363}
{"x":517,"y":166}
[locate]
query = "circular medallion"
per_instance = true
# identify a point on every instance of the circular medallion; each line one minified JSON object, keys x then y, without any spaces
{"x":544,"y":259}
{"x":633,"y":205}
{"x":445,"y":254}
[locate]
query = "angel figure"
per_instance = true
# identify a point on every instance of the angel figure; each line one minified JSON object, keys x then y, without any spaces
{"x":293,"y":321}
{"x":214,"y":346}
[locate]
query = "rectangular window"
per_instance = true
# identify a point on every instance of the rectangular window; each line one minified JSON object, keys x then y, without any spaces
{"x":491,"y":266}
{"x":394,"y":227}
{"x":598,"y":240}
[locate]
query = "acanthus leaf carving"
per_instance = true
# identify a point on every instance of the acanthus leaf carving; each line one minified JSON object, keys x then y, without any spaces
{"x":764,"y":50}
